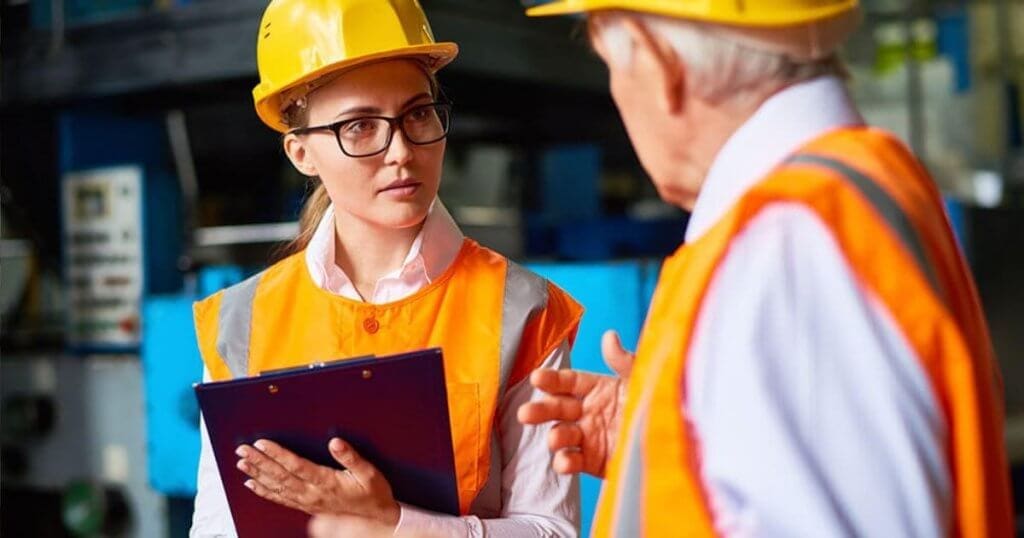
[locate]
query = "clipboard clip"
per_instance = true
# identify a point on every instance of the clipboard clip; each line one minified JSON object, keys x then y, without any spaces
{"x":311,"y":366}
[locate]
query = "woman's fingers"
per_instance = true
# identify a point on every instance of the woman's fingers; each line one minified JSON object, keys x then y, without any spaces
{"x":296,"y":465}
{"x":271,"y":495}
{"x":363,"y":471}
{"x":266,"y":471}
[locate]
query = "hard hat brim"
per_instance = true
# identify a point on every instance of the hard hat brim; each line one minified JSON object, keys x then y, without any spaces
{"x":434,"y":57}
{"x":671,"y":8}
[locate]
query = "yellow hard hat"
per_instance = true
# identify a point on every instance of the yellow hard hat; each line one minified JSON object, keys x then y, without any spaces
{"x":303,"y":40}
{"x":758,"y":13}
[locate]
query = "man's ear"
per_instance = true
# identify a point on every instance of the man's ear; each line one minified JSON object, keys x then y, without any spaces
{"x":656,"y":60}
{"x":299,"y":155}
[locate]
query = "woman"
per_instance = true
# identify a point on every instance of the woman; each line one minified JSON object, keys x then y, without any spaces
{"x":379,"y":267}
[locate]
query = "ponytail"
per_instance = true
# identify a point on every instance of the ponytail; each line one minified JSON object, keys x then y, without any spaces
{"x":312,"y":213}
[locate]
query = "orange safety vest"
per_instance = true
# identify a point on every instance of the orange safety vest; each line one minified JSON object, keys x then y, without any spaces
{"x":495,"y":321}
{"x":888,"y":220}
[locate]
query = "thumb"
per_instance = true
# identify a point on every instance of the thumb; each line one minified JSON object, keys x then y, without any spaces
{"x":343,"y":453}
{"x":615,"y":356}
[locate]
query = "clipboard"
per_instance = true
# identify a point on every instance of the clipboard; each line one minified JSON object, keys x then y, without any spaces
{"x":393,"y":410}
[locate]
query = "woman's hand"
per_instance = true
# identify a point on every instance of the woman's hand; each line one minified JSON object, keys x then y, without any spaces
{"x":359,"y":493}
{"x":327,"y":526}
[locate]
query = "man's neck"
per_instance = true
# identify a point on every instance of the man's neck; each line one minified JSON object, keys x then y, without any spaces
{"x":708,"y":127}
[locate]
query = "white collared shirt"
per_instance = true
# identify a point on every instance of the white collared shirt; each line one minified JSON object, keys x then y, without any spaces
{"x":530,"y":500}
{"x":812,"y":412}
{"x":432,"y":251}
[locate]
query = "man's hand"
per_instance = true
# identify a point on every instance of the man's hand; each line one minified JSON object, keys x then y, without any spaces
{"x":586,"y":409}
{"x":359,"y":493}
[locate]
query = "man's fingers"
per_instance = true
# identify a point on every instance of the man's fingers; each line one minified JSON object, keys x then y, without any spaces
{"x":298,"y":466}
{"x":567,"y":382}
{"x":567,"y":461}
{"x":565,"y":435}
{"x":561,"y":408}
{"x":615,"y":356}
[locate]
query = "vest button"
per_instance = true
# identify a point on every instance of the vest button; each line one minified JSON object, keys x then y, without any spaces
{"x":371,"y":325}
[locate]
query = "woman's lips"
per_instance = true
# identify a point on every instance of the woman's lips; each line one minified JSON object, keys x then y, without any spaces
{"x":402,"y":188}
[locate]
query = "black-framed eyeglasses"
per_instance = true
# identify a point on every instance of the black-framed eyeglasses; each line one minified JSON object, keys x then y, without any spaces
{"x":366,"y":136}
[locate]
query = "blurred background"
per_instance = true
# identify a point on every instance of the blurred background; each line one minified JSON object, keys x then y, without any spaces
{"x":136,"y":179}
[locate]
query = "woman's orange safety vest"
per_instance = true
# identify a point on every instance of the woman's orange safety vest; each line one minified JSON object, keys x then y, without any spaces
{"x":495,"y":321}
{"x":888,"y":220}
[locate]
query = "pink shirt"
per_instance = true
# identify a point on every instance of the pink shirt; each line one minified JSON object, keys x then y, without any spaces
{"x":530,"y":500}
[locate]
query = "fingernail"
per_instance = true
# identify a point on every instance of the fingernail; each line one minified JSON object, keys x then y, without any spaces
{"x":260,"y":444}
{"x":240,"y":452}
{"x":249,"y":484}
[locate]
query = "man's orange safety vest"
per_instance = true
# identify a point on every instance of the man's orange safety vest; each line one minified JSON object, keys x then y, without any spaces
{"x":887,"y":218}
{"x":495,"y":321}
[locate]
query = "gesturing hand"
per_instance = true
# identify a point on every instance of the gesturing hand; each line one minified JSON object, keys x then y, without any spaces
{"x":586,"y":409}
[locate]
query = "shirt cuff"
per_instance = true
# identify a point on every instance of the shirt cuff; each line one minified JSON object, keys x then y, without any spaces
{"x":417,"y":522}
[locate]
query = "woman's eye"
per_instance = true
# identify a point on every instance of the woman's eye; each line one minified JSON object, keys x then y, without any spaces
{"x":360,"y":127}
{"x":420,"y":114}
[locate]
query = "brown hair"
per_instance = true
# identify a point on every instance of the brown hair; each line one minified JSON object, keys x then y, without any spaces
{"x":296,"y":115}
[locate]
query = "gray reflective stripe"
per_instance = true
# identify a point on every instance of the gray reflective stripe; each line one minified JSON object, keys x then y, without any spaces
{"x":630,"y":504}
{"x":488,"y":501}
{"x":525,"y":293}
{"x":234,"y":325}
{"x":884,"y":205}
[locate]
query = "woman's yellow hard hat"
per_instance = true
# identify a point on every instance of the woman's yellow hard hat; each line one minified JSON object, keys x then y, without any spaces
{"x":302,"y":40}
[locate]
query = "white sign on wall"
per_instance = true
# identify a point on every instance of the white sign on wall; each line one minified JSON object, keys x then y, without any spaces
{"x":102,"y":211}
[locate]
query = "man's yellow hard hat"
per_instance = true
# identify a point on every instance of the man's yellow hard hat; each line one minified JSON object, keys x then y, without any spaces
{"x":302,"y":40}
{"x":757,"y":13}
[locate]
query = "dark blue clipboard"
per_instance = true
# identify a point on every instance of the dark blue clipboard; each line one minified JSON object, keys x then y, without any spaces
{"x":393,"y":410}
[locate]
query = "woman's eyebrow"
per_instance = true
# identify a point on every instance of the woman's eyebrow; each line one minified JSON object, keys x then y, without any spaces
{"x":415,"y":98}
{"x":376,"y":110}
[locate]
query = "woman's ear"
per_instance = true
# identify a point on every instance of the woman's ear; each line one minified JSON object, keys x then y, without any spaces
{"x":299,"y":155}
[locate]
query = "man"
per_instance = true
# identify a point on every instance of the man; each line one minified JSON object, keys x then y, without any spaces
{"x":815,"y":361}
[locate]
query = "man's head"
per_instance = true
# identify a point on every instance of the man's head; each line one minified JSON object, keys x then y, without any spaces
{"x":684,"y":85}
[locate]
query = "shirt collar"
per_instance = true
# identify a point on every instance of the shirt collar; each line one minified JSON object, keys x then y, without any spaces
{"x":781,"y":125}
{"x":434,"y":249}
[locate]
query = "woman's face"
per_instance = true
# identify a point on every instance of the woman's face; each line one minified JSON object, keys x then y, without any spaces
{"x":392,"y":189}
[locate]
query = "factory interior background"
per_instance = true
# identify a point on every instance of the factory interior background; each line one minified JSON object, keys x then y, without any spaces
{"x":136,"y":179}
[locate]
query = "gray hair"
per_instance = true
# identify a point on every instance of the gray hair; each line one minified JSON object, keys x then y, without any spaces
{"x":722,"y":67}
